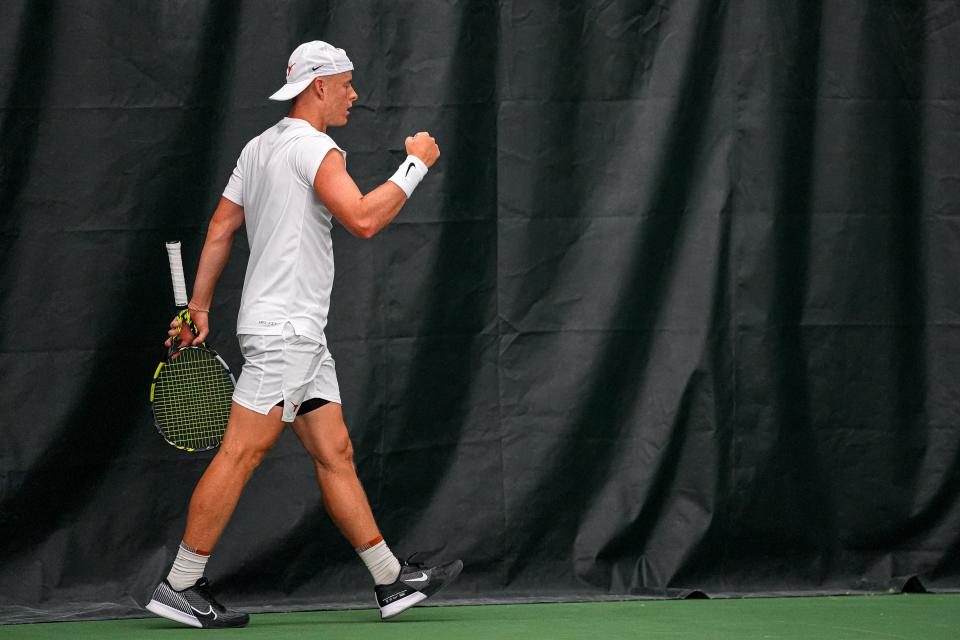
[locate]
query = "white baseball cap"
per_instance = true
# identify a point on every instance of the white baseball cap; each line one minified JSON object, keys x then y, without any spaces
{"x":309,"y":60}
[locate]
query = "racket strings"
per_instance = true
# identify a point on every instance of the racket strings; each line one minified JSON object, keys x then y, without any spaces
{"x":192,"y":399}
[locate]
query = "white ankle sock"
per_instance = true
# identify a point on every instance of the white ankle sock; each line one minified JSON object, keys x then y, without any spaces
{"x":382,"y":564}
{"x":187,"y":568}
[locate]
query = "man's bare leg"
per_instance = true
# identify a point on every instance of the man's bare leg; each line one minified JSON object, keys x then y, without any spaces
{"x":399,"y":587}
{"x":324,"y":436}
{"x":184,"y":596}
{"x":249,"y":436}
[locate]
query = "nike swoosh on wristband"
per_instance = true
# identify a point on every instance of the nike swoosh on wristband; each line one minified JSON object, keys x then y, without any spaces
{"x":422,"y":578}
{"x":409,"y":166}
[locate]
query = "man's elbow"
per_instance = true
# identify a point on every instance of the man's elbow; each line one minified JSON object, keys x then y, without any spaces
{"x":221,"y":230}
{"x":359,"y":222}
{"x":364,"y":230}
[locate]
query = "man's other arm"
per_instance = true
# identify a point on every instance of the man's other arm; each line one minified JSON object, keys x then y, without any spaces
{"x":365,"y":215}
{"x":227,"y":218}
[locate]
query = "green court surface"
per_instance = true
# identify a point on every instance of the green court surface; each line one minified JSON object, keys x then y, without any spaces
{"x":910,"y":617}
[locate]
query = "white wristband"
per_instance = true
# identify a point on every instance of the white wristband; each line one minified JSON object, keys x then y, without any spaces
{"x":408,"y":176}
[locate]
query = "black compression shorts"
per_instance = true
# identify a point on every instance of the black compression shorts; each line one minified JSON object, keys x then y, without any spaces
{"x":308,"y":405}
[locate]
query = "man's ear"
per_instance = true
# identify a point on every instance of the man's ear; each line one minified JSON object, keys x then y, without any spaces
{"x":318,"y":85}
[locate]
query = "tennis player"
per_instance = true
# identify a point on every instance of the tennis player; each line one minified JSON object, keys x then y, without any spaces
{"x":288,"y":185}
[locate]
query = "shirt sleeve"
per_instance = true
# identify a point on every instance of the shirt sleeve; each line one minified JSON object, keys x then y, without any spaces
{"x":234,"y":189}
{"x":310,"y":153}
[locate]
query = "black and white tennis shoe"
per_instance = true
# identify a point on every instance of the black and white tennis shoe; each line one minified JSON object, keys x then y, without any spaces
{"x":194,"y":606}
{"x":415,"y":583}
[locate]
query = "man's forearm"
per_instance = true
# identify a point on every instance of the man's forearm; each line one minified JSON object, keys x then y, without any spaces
{"x":213,"y":258}
{"x":379,"y":208}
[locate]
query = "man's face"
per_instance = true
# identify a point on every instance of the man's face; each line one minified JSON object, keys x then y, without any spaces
{"x":338,"y":97}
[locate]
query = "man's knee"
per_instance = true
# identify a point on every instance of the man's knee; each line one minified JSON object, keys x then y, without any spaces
{"x":242,"y":456}
{"x":336,"y":454}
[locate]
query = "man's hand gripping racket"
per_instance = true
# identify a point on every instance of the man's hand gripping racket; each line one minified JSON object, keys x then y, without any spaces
{"x":187,"y":329}
{"x":192,"y":388}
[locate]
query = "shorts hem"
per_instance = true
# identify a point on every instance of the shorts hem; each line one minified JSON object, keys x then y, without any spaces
{"x":328,"y":397}
{"x":319,"y":396}
{"x":250,"y":406}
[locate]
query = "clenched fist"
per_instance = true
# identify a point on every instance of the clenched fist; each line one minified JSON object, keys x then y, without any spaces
{"x":424,"y":147}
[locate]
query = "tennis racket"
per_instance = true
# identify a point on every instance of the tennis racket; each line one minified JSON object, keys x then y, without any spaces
{"x":192,"y":388}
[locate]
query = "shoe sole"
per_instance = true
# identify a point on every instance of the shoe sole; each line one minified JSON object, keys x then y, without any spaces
{"x":401,"y":605}
{"x":395,"y":608}
{"x":168,"y":612}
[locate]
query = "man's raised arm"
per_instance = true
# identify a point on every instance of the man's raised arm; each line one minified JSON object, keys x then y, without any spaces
{"x":365,"y":215}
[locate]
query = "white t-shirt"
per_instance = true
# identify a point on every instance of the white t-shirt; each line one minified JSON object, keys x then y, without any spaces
{"x":290,"y":272}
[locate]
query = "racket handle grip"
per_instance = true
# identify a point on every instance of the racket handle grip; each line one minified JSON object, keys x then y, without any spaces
{"x":176,"y":273}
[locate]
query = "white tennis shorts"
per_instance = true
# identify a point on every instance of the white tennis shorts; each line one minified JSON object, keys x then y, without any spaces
{"x":287,"y":368}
